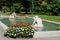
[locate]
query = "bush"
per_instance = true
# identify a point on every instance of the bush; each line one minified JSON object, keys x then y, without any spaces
{"x":5,"y":9}
{"x":19,"y":31}
{"x":51,"y":8}
{"x":17,"y":7}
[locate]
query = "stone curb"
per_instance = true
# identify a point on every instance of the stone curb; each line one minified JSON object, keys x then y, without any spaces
{"x":57,"y":23}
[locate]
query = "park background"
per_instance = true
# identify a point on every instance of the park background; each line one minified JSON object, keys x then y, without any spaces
{"x":46,"y":9}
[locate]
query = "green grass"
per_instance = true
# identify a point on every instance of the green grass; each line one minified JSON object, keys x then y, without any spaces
{"x":52,"y":18}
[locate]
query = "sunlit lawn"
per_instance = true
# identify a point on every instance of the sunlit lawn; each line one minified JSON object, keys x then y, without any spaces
{"x":52,"y":18}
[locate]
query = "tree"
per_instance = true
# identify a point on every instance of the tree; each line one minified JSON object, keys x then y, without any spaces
{"x":26,"y":5}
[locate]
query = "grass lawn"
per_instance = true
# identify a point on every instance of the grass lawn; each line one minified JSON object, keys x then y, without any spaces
{"x":52,"y":18}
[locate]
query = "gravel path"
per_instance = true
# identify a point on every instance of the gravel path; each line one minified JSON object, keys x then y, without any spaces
{"x":42,"y":38}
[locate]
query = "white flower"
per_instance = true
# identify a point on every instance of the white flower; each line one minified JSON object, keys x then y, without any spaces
{"x":11,"y":34}
{"x":14,"y":34}
{"x":26,"y":32}
{"x":22,"y":29}
{"x":21,"y":32}
{"x":7,"y":33}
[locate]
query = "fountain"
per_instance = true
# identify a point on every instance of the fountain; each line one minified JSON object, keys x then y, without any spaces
{"x":37,"y":24}
{"x":12,"y":16}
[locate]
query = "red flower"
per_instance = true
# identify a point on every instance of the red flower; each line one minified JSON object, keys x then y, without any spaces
{"x":22,"y":25}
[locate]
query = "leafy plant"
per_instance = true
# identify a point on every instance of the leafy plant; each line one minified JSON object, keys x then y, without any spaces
{"x":17,"y":7}
{"x":19,"y":32}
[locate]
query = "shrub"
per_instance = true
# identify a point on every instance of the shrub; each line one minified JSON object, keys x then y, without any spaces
{"x":16,"y":7}
{"x":20,"y":31}
{"x":5,"y":9}
{"x":51,"y":8}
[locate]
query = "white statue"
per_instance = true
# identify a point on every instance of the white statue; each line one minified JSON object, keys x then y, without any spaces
{"x":12,"y":16}
{"x":37,"y":22}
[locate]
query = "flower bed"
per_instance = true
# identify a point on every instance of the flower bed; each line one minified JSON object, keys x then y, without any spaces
{"x":21,"y":25}
{"x":20,"y":31}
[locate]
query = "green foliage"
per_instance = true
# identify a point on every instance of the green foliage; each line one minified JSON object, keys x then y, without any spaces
{"x":26,"y":5}
{"x":48,"y":7}
{"x":19,"y":32}
{"x":17,"y":7}
{"x":51,"y":8}
{"x":5,"y":8}
{"x":7,"y":13}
